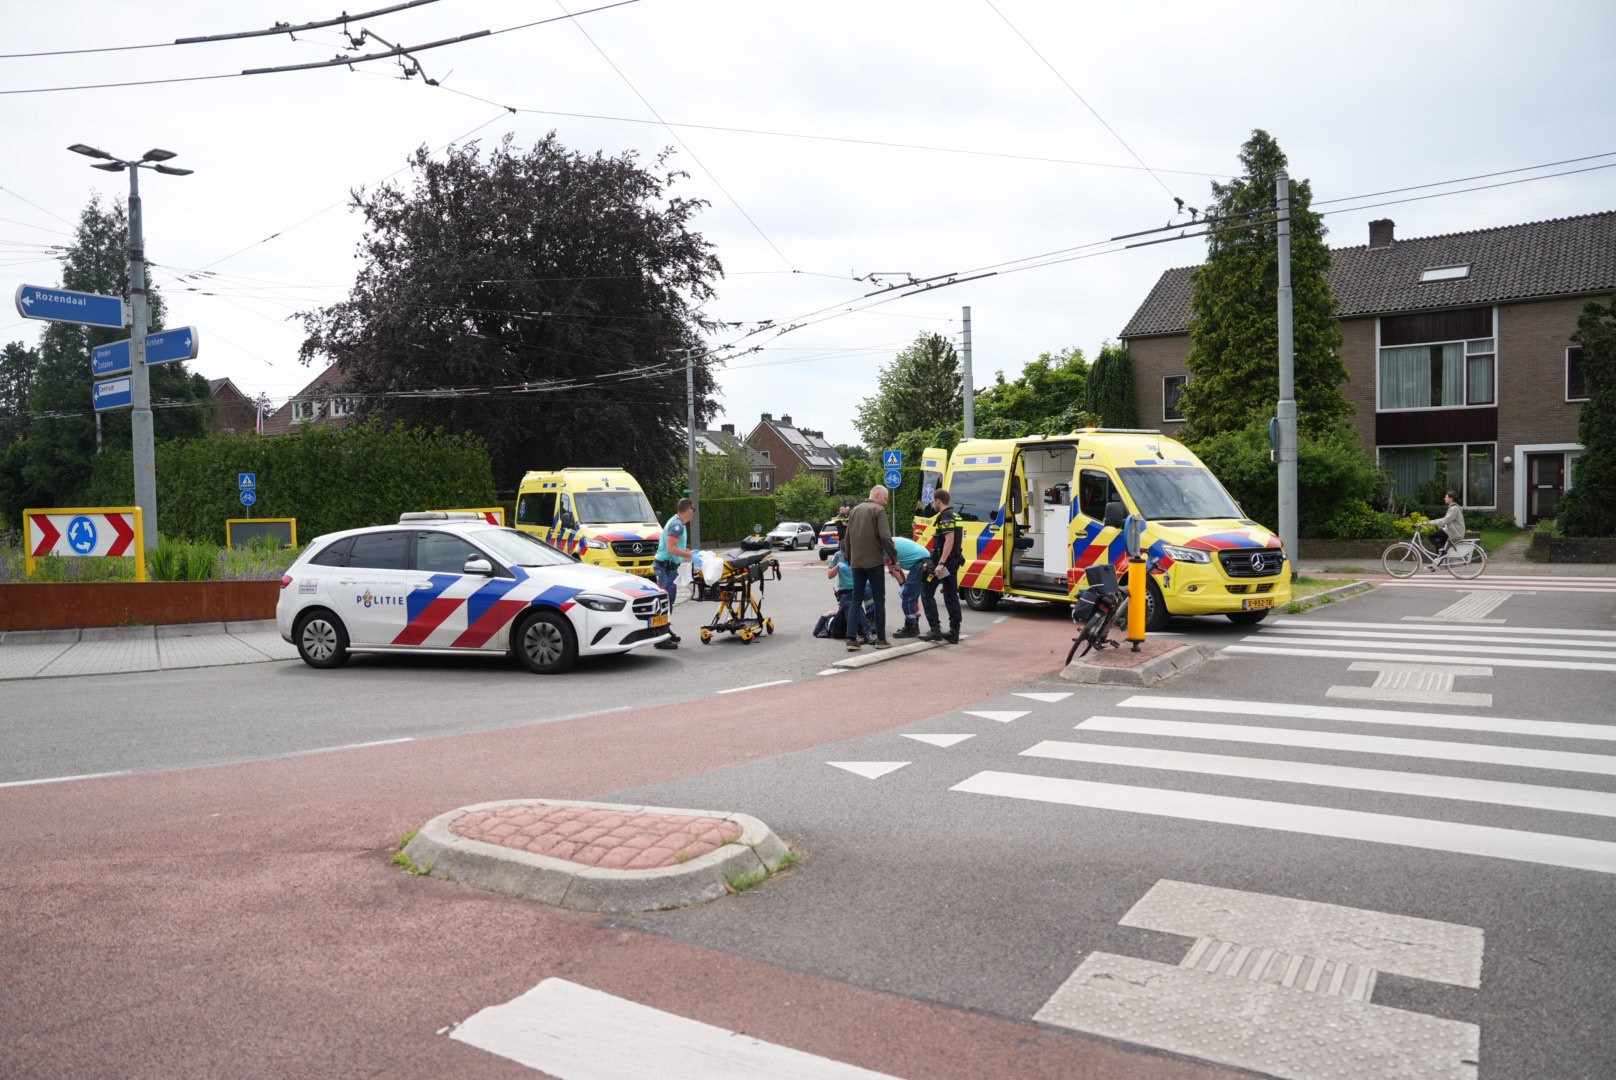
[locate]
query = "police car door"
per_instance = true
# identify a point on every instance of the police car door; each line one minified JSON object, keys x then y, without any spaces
{"x":373,"y":587}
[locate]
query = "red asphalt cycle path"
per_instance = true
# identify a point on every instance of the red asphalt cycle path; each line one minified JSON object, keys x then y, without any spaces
{"x":245,"y":921}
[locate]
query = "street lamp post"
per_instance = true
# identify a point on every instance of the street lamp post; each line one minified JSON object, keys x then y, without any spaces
{"x":140,"y":418}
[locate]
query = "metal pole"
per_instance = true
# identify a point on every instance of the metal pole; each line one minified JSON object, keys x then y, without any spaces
{"x":690,"y":427}
{"x":1287,"y":380}
{"x":140,"y":420}
{"x":970,"y":394}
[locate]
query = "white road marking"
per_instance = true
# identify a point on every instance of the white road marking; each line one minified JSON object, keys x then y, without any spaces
{"x":1047,"y":698}
{"x":1002,"y":716}
{"x":1559,"y":729}
{"x":944,"y":741}
{"x":63,"y":779}
{"x":1472,"y":608}
{"x":573,"y":1032}
{"x":754,"y":686}
{"x":1485,"y":585}
{"x":1364,"y":654}
{"x":1479,"y":632}
{"x":870,"y":770}
{"x":1416,"y":684}
{"x":584,"y":715}
{"x":833,"y":671}
{"x":1463,"y":788}
{"x":1447,"y":638}
{"x":347,"y":746}
{"x":1520,"y":757}
{"x":1484,"y":840}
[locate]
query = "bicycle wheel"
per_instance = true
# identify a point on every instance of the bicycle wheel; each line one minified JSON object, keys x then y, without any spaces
{"x":1467,"y":559}
{"x":1401,"y":560}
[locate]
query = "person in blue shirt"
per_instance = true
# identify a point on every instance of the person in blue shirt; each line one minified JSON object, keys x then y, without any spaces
{"x":910,"y":573}
{"x":839,"y":569}
{"x":673,"y":549}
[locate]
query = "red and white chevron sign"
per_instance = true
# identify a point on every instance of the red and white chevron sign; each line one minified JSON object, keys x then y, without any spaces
{"x":80,"y":533}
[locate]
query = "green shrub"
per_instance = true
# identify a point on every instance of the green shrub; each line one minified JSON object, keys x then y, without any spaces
{"x":1357,"y":521}
{"x":1406,"y":524}
{"x":732,"y":519}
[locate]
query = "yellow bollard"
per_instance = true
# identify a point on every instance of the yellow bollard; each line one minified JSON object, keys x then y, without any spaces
{"x":1137,"y":594}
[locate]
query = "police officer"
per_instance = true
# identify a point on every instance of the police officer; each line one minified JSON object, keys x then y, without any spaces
{"x":946,"y":561}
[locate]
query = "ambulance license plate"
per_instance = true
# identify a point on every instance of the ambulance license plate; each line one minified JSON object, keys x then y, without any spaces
{"x":642,"y":571}
{"x":658,"y":621}
{"x":1259,"y":602}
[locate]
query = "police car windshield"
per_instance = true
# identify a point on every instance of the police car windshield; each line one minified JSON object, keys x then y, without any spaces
{"x":520,"y":549}
{"x":604,"y":507}
{"x":1177,"y":492}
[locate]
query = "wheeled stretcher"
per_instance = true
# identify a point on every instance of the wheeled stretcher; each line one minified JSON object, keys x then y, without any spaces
{"x":740,"y":609}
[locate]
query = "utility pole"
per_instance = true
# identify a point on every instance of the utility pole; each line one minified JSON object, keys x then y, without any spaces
{"x":965,"y":356}
{"x":1286,"y":448}
{"x":690,"y":426}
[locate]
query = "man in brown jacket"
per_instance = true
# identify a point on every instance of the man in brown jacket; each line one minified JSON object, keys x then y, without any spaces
{"x":867,"y":545}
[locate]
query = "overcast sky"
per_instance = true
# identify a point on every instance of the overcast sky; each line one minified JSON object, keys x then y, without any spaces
{"x":1027,"y":128}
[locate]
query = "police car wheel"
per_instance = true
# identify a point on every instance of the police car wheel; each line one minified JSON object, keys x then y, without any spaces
{"x":545,"y":644}
{"x":824,"y":554}
{"x":322,"y":641}
{"x":981,"y":599}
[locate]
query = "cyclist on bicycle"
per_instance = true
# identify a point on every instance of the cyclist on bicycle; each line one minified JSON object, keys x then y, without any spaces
{"x":1449,"y":527}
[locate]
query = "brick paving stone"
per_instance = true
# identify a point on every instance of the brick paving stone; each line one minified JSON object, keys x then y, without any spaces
{"x":611,"y":839}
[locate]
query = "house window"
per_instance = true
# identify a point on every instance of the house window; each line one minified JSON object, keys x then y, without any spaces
{"x":765,"y":454}
{"x":1437,"y":360}
{"x":757,"y":481}
{"x":829,"y":484}
{"x":341,"y":407}
{"x":1173,"y":396}
{"x":1444,"y":273}
{"x":1424,"y":474}
{"x":302,"y":412}
{"x":1576,"y":375}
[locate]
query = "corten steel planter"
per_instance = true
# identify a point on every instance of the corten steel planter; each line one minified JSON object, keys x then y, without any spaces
{"x":70,"y":605}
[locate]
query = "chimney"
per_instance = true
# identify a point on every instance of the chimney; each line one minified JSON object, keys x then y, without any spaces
{"x":768,"y":418}
{"x":1380,"y":233}
{"x":785,"y":418}
{"x":727,"y":429}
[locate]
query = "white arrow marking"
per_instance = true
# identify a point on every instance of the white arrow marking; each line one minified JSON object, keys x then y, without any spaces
{"x":869,"y":769}
{"x":1046,"y":697}
{"x":940,"y":740}
{"x":1001,"y":717}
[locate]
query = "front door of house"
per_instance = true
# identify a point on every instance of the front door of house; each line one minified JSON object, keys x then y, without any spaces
{"x":1545,"y":483}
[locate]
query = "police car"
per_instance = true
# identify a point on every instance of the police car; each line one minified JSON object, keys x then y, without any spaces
{"x":448,"y":583}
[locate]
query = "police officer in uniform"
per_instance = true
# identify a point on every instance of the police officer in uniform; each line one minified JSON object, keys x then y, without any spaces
{"x":946,"y":561}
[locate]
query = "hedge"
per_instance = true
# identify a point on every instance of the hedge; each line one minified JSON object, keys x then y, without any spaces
{"x":732,"y":519}
{"x":328,"y":479}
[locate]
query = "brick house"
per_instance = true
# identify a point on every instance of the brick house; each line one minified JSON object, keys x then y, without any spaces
{"x":320,"y":404}
{"x":234,"y":413}
{"x":1457,"y":349}
{"x":791,"y":450}
{"x":724,"y":441}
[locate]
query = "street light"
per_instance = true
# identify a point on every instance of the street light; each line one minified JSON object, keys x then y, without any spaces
{"x":140,"y":417}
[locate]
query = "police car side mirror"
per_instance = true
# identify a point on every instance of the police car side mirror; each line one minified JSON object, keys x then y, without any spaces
{"x":478,"y":565}
{"x":1116,"y":515}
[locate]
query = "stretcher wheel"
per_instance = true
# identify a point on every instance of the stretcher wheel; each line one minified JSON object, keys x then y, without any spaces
{"x":706,"y":637}
{"x":744,"y":634}
{"x":769,"y":625}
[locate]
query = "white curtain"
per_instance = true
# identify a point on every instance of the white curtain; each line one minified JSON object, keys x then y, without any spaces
{"x":1405,"y":376}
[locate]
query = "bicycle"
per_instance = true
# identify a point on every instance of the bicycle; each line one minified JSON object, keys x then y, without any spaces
{"x":1463,"y":559}
{"x":1108,"y":604}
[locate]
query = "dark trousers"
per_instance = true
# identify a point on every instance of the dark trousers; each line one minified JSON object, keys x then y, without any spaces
{"x":875,"y":579}
{"x":928,"y":600}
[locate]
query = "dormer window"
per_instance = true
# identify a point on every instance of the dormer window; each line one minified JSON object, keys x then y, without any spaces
{"x":302,"y":412}
{"x":341,"y":407}
{"x":1445,"y":273}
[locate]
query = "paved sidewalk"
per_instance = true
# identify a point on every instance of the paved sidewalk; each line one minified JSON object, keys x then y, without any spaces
{"x":36,"y":654}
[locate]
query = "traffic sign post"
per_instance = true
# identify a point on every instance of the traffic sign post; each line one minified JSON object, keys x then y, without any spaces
{"x":246,"y":480}
{"x":84,"y":532}
{"x":892,"y":459}
{"x":109,"y":394}
{"x":64,"y":305}
{"x":248,"y":496}
{"x":163,"y":347}
{"x":894,"y":479}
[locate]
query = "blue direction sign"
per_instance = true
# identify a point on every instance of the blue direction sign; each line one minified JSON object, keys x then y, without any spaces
{"x":247,"y":480}
{"x":111,"y":394}
{"x":163,"y":347}
{"x":63,"y":305}
{"x":894,"y":478}
{"x":892,"y":459}
{"x":248,"y":496}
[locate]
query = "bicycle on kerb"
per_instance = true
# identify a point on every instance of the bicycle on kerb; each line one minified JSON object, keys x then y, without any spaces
{"x":1462,"y":558}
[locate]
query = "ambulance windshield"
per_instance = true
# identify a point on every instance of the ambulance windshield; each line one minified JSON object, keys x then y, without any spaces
{"x":610,"y":507}
{"x":1175,"y":492}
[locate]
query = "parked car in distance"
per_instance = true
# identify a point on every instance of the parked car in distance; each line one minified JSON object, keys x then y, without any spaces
{"x":792,"y":535}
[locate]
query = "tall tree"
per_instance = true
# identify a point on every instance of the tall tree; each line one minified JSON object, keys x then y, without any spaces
{"x":1110,"y":395}
{"x":1234,"y":321}
{"x":920,"y":388}
{"x":546,"y":298}
{"x":1589,"y":508}
{"x":727,"y":475}
{"x":18,"y":363}
{"x":1048,"y":397}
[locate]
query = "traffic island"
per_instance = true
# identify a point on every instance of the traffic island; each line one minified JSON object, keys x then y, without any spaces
{"x":592,"y":856}
{"x":1156,"y":660}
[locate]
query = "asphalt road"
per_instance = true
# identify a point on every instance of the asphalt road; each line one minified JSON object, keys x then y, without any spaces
{"x":145,"y":908}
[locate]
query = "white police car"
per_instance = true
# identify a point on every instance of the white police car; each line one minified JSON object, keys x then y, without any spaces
{"x":447,"y":583}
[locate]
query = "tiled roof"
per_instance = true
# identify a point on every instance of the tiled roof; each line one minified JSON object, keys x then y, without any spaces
{"x":320,"y":389}
{"x":1563,"y":257}
{"x":722,"y":442}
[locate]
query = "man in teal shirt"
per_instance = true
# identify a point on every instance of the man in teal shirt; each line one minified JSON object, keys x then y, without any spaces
{"x":910,"y":573}
{"x":673,"y":550}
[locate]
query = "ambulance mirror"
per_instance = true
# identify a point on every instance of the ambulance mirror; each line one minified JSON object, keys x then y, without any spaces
{"x":1116,"y":515}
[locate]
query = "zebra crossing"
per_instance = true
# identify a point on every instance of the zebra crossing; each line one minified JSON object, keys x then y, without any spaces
{"x":1548,"y":648}
{"x":1578,"y":751}
{"x":1520,"y":583}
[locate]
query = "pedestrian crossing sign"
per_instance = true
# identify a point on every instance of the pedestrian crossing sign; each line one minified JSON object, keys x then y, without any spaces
{"x":892,"y":459}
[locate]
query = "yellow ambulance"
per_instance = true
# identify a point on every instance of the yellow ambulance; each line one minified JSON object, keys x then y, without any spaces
{"x":600,"y":515}
{"x":1033,"y":517}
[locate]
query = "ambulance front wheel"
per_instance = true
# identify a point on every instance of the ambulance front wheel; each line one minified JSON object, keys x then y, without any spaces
{"x":981,"y":599}
{"x":1155,"y":608}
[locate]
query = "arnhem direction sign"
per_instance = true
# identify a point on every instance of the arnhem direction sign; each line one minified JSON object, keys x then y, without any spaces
{"x":64,"y":305}
{"x":162,"y":347}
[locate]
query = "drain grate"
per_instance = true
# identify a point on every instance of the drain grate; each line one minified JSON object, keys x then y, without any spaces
{"x":1334,"y":978}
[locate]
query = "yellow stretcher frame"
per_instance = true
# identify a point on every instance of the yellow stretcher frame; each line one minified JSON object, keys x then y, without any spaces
{"x":29,"y":562}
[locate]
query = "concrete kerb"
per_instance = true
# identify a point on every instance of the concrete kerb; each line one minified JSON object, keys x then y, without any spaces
{"x":39,"y":637}
{"x":1177,"y":657}
{"x":868,"y":656}
{"x":756,"y":854}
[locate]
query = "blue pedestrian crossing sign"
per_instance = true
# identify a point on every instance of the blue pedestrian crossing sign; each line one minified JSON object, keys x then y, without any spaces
{"x":247,"y":481}
{"x":894,"y":478}
{"x":248,"y":496}
{"x":892,"y":459}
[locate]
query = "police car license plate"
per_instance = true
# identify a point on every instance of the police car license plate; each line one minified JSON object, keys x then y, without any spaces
{"x":1259,"y":602}
{"x":658,"y":621}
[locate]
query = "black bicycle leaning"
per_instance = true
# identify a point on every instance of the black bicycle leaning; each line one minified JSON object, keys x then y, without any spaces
{"x":1099,"y":609}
